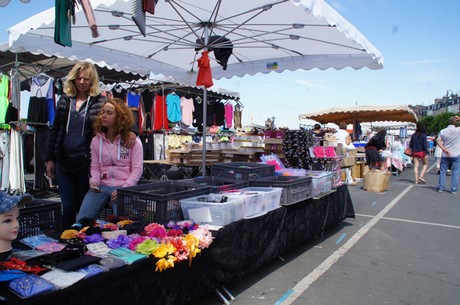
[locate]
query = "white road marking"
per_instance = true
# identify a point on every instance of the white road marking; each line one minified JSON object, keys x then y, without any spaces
{"x":303,"y":285}
{"x":413,"y":221}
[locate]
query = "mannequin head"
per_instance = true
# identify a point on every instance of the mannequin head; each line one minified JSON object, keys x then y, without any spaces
{"x":9,"y":218}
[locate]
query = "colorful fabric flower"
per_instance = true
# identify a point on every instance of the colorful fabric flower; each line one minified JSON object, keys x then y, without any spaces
{"x":120,"y":241}
{"x":94,"y":238}
{"x":204,"y":236}
{"x":69,"y":234}
{"x":135,"y":242}
{"x":147,"y":247}
{"x":110,"y":226}
{"x":155,"y":230}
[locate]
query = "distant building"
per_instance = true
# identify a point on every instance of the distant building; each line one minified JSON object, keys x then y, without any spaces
{"x":447,"y":103}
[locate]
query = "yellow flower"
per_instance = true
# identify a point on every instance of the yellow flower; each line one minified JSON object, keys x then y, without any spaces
{"x":163,"y":250}
{"x":124,"y":222}
{"x":69,"y":234}
{"x":192,"y":242}
{"x":165,"y":263}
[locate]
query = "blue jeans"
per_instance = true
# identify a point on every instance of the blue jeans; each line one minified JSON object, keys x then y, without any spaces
{"x":72,"y":189}
{"x":95,"y":201}
{"x":454,"y":163}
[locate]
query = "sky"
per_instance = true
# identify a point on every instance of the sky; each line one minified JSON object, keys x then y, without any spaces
{"x":419,"y":40}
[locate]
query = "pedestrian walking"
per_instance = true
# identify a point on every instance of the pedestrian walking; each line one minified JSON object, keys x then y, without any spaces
{"x":419,"y":145}
{"x":449,"y":142}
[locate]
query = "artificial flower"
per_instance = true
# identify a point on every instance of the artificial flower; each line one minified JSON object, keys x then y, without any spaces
{"x":204,"y":237}
{"x":165,"y":253}
{"x":69,"y":234}
{"x":110,"y":226}
{"x":155,"y":230}
{"x":147,"y":246}
{"x":135,"y":241}
{"x":192,"y":243}
{"x":122,"y":223}
{"x":163,"y":250}
{"x":165,"y":263}
{"x":174,"y":233}
{"x":120,"y":241}
{"x":182,"y":252}
{"x":94,"y":238}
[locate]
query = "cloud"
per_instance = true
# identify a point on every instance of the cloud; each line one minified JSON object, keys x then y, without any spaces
{"x":423,"y":62}
{"x":311,"y":84}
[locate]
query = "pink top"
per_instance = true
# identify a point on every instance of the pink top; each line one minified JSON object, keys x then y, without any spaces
{"x":112,"y":164}
{"x":228,"y":115}
{"x":186,"y":105}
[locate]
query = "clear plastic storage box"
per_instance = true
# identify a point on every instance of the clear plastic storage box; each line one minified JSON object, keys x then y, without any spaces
{"x":322,"y":182}
{"x":214,"y":209}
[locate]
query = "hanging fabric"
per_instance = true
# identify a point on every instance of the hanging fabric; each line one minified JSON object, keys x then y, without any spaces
{"x":4,"y":89}
{"x":138,"y":15}
{"x":5,"y":151}
{"x":89,"y":14}
{"x":204,"y":77}
{"x":187,"y":108}
{"x":149,"y":6}
{"x":64,"y":11}
{"x":16,"y":175}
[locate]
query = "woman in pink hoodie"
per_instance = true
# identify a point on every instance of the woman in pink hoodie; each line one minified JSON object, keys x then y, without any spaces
{"x":113,"y":165}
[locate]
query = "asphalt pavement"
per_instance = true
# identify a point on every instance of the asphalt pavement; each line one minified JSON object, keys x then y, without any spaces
{"x":403,"y":247}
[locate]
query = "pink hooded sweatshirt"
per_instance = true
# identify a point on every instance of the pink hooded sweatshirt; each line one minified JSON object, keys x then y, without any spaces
{"x":112,"y":164}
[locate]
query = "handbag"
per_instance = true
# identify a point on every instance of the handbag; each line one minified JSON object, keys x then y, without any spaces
{"x":408,"y":152}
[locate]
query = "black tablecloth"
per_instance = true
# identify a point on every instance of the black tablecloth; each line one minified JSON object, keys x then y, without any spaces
{"x":238,"y":249}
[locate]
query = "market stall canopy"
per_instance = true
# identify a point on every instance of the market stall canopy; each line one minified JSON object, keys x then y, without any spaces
{"x":27,"y":65}
{"x":397,"y":113}
{"x":243,"y":37}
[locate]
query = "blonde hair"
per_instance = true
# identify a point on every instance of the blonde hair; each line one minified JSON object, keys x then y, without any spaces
{"x":69,"y":87}
{"x":124,"y":122}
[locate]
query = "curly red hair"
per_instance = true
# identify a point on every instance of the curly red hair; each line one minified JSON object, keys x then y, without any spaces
{"x":124,"y":122}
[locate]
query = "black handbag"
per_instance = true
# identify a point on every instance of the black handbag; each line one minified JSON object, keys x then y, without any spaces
{"x":72,"y":257}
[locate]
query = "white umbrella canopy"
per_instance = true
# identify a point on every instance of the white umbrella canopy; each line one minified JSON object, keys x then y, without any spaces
{"x":257,"y":36}
{"x":263,"y":36}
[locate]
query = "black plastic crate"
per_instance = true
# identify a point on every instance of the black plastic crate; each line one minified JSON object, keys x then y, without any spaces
{"x":295,"y":189}
{"x":156,"y":202}
{"x":40,"y":217}
{"x":242,"y":170}
{"x":218,"y":184}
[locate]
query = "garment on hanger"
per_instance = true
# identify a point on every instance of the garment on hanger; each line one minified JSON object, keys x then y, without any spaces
{"x":228,"y":115}
{"x":4,"y":89}
{"x":186,"y":105}
{"x":219,"y":113}
{"x":210,"y":115}
{"x":42,"y":86}
{"x":161,"y":116}
{"x":173,"y":108}
{"x":147,"y":100}
{"x":4,"y":149}
{"x":237,"y":116}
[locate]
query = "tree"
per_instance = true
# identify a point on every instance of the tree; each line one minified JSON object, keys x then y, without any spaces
{"x":441,"y":121}
{"x":429,"y":122}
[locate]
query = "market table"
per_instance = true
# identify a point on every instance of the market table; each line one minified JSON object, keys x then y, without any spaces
{"x":238,"y":249}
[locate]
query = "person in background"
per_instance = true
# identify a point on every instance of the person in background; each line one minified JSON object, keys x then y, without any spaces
{"x":113,"y":164}
{"x":419,"y":145}
{"x":318,"y":135}
{"x":437,"y":156}
{"x":67,"y":157}
{"x":344,"y":140}
{"x":373,"y":148}
{"x":449,"y":142}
